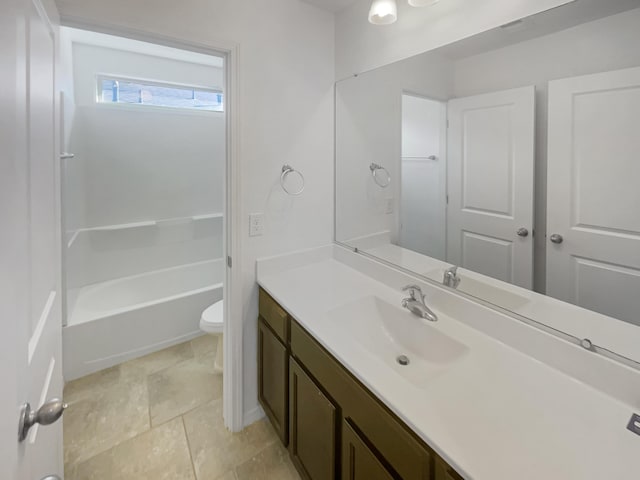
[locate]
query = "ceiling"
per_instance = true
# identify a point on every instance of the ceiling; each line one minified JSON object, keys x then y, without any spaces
{"x":331,"y":5}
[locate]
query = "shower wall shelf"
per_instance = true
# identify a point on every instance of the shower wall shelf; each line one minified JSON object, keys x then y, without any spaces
{"x":164,"y":222}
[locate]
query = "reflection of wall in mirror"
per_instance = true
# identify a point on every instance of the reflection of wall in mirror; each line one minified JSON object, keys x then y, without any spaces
{"x":368,"y":130}
{"x":423,"y":176}
{"x":368,"y":111}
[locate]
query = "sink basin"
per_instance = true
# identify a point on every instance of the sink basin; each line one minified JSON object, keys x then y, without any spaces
{"x":394,"y":335}
{"x":486,"y":291}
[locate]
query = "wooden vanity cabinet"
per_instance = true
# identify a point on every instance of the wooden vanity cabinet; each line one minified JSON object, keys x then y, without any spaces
{"x":445,"y":472}
{"x":359,"y":462}
{"x":313,"y":427}
{"x":334,"y":426}
{"x":273,"y":364}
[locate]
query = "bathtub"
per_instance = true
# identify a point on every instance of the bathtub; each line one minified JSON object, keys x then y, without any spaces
{"x":117,"y":320}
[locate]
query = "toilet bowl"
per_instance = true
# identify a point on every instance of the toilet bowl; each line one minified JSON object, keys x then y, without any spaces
{"x":212,"y":322}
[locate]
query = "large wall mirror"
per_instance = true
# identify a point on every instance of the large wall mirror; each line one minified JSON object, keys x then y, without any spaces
{"x":514,"y":156}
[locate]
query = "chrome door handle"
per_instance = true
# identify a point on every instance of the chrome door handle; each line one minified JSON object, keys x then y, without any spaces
{"x":66,"y":155}
{"x":47,"y":414}
{"x":51,"y":477}
{"x":523,"y":232}
{"x":556,"y":238}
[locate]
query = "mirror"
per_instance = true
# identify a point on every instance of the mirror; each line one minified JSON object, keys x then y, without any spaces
{"x":506,"y":166}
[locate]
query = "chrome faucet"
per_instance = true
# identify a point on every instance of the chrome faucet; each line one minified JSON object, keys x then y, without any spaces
{"x":416,"y":305}
{"x":451,"y":278}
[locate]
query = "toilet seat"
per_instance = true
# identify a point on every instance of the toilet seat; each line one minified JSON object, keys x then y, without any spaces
{"x":212,"y":320}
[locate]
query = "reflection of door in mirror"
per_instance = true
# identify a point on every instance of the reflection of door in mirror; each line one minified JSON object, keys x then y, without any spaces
{"x":423,"y":176}
{"x":593,"y":187}
{"x":491,"y":168}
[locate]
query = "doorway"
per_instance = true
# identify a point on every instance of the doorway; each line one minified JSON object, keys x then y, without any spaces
{"x":146,"y":238}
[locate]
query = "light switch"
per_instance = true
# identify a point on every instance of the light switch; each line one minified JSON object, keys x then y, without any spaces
{"x":388,"y":205}
{"x":256,"y":224}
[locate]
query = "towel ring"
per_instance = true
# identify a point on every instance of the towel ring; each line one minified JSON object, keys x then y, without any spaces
{"x":287,"y":170}
{"x":384,"y":181}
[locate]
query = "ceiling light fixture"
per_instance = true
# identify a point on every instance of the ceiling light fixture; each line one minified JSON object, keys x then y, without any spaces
{"x":383,"y":12}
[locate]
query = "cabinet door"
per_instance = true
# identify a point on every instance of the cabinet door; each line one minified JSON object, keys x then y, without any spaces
{"x":358,"y":461}
{"x":313,"y":427}
{"x":273,"y":377}
{"x":445,"y":472}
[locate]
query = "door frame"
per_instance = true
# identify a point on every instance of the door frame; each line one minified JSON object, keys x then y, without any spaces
{"x":233,"y":386}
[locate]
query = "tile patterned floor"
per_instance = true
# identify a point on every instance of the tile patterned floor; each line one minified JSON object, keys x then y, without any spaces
{"x":160,"y":417}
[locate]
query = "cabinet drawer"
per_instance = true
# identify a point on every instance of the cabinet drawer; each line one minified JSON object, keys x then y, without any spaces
{"x":358,"y":461}
{"x":402,"y":451}
{"x":313,"y":426}
{"x":274,"y":315}
{"x":273,"y":379}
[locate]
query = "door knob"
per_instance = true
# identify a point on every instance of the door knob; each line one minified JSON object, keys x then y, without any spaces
{"x":523,"y":232}
{"x":51,"y":477}
{"x":556,"y":238}
{"x":47,"y":414}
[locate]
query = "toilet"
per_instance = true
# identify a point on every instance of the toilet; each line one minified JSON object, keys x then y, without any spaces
{"x":212,"y":322}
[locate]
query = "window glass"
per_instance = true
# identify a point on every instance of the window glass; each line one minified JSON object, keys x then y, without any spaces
{"x":119,"y":90}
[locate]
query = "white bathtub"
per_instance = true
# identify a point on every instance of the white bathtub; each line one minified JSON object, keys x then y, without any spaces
{"x":121,"y":319}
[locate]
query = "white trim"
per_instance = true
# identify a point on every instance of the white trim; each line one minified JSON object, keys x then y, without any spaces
{"x":233,"y":393}
{"x":253,"y":415}
{"x":233,"y":378}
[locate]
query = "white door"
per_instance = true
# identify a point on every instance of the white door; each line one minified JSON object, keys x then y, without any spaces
{"x":490,"y":184}
{"x":593,"y":192}
{"x":424,"y":176}
{"x":30,"y":343}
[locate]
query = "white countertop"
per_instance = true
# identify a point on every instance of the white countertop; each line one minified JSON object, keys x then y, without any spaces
{"x":496,"y":413}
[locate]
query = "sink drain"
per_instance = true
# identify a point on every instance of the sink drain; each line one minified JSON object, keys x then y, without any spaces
{"x":403,"y":360}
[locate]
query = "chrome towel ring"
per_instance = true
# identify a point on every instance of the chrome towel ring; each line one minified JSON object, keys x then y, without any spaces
{"x":286,"y":171}
{"x":380,"y":175}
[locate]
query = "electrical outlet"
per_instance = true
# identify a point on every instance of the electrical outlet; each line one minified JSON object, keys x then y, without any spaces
{"x":256,"y":224}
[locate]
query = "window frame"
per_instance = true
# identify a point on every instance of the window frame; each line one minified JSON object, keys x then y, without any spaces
{"x":100,"y":77}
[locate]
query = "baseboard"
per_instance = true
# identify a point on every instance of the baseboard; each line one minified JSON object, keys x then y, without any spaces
{"x":253,"y":416}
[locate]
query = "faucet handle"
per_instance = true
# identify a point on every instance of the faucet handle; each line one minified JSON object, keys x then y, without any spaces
{"x":453,"y":269}
{"x":414,"y":291}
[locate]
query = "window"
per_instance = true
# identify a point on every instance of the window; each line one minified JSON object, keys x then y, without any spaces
{"x":141,"y":92}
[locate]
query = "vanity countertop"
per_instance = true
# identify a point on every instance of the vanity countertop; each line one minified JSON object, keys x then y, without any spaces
{"x":496,"y":413}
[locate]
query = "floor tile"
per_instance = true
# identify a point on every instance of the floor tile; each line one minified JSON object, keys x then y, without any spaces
{"x":204,"y":345}
{"x":159,"y":454}
{"x":230,"y":475}
{"x":179,"y":389}
{"x":90,"y":384}
{"x":154,"y":362}
{"x":114,"y":412}
{"x":272,"y":463}
{"x":214,"y":449}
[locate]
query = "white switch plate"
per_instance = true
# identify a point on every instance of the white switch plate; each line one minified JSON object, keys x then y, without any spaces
{"x":256,"y":224}
{"x":388,"y":207}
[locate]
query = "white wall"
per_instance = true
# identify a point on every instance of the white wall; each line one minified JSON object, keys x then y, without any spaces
{"x":142,"y":163}
{"x":607,"y":44}
{"x":138,"y":164}
{"x":369,"y":117}
{"x":286,"y":97}
{"x":361,"y":46}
